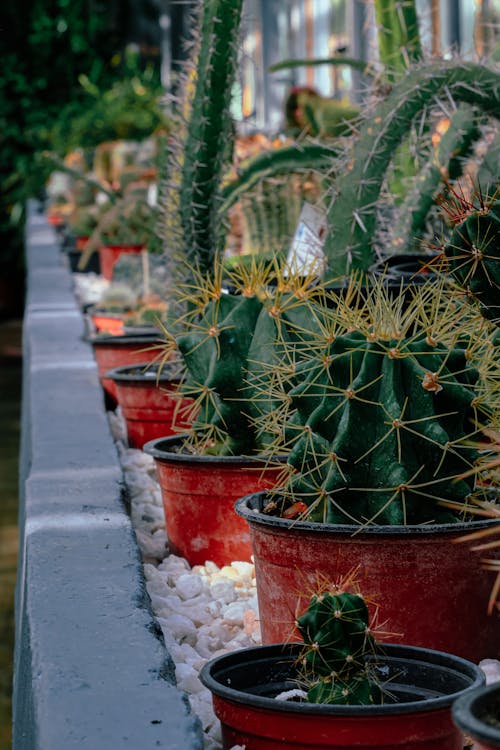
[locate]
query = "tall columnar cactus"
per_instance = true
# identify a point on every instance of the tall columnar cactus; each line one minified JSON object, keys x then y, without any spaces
{"x":384,"y":407}
{"x":398,"y":35}
{"x":201,"y":147}
{"x":337,"y":639}
{"x":352,"y":218}
{"x":473,"y":253}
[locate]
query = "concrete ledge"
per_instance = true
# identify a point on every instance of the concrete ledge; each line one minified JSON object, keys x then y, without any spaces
{"x":91,"y":670}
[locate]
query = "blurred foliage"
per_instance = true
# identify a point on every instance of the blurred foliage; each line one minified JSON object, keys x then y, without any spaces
{"x":57,"y":58}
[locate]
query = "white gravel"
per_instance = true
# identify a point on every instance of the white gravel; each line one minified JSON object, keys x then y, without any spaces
{"x":203,"y":611}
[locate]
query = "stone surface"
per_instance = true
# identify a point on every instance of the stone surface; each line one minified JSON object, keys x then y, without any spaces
{"x":91,"y":668}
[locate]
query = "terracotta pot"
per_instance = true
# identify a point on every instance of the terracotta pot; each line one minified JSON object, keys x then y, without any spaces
{"x":431,"y":591}
{"x":115,"y":351}
{"x":416,"y":713}
{"x":198,"y":497}
{"x":148,"y":401}
{"x":109,"y":254}
{"x":477,"y":713}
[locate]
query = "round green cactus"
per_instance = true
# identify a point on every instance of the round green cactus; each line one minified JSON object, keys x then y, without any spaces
{"x":337,"y":639}
{"x":385,"y":406}
{"x":473,"y":253}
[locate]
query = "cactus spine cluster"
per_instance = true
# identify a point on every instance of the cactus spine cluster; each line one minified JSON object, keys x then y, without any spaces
{"x":473,"y":253}
{"x":383,"y":408}
{"x":337,"y":639}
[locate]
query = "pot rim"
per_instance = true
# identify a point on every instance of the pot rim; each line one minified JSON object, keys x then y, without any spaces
{"x":390,"y":652}
{"x":122,"y":245}
{"x":140,"y":373}
{"x":247,"y":507}
{"x":154,"y":448}
{"x":105,"y":339}
{"x":463,"y":713}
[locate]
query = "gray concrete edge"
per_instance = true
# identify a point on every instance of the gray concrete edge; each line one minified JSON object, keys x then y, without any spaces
{"x":91,"y":670}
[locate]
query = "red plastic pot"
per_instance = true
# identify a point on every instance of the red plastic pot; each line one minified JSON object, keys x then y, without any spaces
{"x":430,"y":591}
{"x":477,"y":713}
{"x":416,"y":713}
{"x":198,"y":497}
{"x":81,"y":242}
{"x":109,"y":254}
{"x":106,"y":322}
{"x":149,"y":402}
{"x":116,"y":351}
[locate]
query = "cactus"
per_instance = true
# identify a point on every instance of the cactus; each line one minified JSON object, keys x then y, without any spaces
{"x":337,"y":639}
{"x":217,"y":341}
{"x":276,"y":162}
{"x":385,"y":399}
{"x":473,"y":253}
{"x":352,"y":217}
{"x":445,"y":163}
{"x":202,"y":143}
{"x":398,"y":35}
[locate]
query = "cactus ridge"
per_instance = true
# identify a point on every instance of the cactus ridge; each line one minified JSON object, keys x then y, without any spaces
{"x":337,"y":639}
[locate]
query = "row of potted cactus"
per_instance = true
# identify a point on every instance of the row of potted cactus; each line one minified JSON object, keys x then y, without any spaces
{"x":353,"y":419}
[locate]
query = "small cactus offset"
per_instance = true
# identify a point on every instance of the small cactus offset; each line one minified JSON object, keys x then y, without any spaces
{"x":473,"y":252}
{"x":384,"y":408}
{"x":337,"y":639}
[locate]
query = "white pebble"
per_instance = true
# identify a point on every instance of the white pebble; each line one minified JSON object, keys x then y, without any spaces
{"x":233,"y":613}
{"x":491,"y":668}
{"x":224,"y":591}
{"x":187,"y":678}
{"x":181,"y":628}
{"x":189,"y":585}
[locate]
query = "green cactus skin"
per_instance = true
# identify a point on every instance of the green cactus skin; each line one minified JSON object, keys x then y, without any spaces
{"x":382,"y":410}
{"x":337,"y":638}
{"x":223,"y":346}
{"x":350,"y":62}
{"x":201,"y":147}
{"x":273,"y":163}
{"x":454,"y":147}
{"x":352,"y":217}
{"x":398,"y":35}
{"x":473,"y":253}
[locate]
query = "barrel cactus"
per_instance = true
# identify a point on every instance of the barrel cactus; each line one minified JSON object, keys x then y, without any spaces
{"x":384,"y":406}
{"x":234,"y":325}
{"x":473,"y":251}
{"x":337,"y":640}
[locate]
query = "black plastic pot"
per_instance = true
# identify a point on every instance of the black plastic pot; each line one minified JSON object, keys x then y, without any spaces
{"x":477,"y":713}
{"x":408,"y":269}
{"x":431,"y":591}
{"x":420,"y":687}
{"x":92,"y":266}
